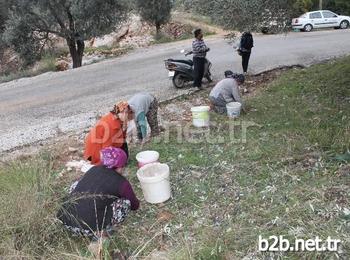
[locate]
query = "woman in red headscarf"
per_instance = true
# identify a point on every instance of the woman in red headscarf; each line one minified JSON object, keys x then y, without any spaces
{"x":110,"y":131}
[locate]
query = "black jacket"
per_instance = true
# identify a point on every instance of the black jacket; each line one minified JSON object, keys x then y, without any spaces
{"x":89,"y":205}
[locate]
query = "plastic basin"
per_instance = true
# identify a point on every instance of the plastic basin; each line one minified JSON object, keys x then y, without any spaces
{"x":155,"y":182}
{"x":147,"y":157}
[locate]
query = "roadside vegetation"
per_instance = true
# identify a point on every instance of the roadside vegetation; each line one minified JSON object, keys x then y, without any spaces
{"x":290,"y":176}
{"x":50,"y":54}
{"x":46,"y":64}
{"x":30,"y":29}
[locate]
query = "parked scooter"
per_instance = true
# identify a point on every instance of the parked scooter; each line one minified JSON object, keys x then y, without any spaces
{"x":181,"y":71}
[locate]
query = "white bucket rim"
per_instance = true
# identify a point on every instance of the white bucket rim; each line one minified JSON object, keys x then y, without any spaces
{"x":233,"y":105}
{"x":200,"y":109}
{"x":154,"y":178}
{"x":144,"y":152}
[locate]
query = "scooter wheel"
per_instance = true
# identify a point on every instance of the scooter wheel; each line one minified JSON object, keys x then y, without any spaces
{"x":179,"y":81}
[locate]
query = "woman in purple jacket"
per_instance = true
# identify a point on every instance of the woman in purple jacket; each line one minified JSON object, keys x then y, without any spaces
{"x":101,"y":199}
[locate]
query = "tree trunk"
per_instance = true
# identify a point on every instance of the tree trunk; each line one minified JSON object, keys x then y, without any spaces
{"x":320,"y":4}
{"x":158,"y":29}
{"x":76,"y":49}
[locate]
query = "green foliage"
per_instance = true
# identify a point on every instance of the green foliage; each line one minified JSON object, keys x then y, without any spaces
{"x":32,"y":22}
{"x":246,"y":15}
{"x":338,"y":6}
{"x":3,"y":13}
{"x":303,"y":6}
{"x":26,"y":42}
{"x":156,"y":12}
{"x":47,"y":63}
{"x":253,"y":15}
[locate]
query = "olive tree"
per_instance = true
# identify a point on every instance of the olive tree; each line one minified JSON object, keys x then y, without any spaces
{"x":4,"y":13}
{"x":156,"y":12}
{"x":246,"y":15}
{"x":4,"y":9}
{"x":32,"y":22}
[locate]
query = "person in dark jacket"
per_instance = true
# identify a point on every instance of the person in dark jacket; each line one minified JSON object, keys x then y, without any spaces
{"x":199,"y":50}
{"x":101,"y":199}
{"x":245,"y":49}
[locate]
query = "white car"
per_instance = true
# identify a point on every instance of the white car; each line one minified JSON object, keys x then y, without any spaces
{"x":320,"y":19}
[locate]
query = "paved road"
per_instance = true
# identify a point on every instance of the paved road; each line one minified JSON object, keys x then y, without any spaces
{"x":34,"y":109}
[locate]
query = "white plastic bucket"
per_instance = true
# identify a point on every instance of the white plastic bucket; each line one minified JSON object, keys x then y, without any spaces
{"x":147,"y":157}
{"x":155,"y":182}
{"x":200,"y":116}
{"x":234,"y":109}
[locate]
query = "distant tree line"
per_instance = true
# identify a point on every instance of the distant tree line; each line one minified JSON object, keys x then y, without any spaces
{"x":253,"y":14}
{"x":296,"y":6}
{"x":337,"y":6}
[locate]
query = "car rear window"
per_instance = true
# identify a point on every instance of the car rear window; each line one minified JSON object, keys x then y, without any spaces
{"x":316,"y":15}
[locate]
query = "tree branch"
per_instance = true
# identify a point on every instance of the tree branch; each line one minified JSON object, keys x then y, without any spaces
{"x":58,"y":19}
{"x":45,"y":27}
{"x":71,"y":20}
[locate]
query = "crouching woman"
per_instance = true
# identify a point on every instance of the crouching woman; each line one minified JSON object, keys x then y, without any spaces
{"x":226,"y":91}
{"x":101,"y":199}
{"x":110,"y":131}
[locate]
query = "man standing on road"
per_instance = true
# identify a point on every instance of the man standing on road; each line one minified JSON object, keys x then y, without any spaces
{"x":245,"y":49}
{"x":199,"y":50}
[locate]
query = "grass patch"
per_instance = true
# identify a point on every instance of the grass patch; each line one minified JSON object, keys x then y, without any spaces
{"x":46,"y":64}
{"x":283,"y":180}
{"x":30,"y":196}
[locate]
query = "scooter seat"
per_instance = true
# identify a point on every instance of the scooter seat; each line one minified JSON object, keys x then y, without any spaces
{"x":188,"y":62}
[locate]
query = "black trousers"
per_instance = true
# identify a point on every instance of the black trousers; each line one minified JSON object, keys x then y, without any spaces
{"x":198,"y":67}
{"x":245,"y":60}
{"x":125,"y":147}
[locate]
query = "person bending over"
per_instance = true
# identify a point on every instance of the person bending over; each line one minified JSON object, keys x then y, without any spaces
{"x":226,"y":91}
{"x":101,"y":199}
{"x":110,"y":130}
{"x":145,"y":105}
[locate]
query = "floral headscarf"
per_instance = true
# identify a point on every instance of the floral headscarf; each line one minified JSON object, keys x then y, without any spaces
{"x":120,"y":107}
{"x":112,"y":157}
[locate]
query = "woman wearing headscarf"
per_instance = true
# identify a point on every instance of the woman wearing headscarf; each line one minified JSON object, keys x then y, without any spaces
{"x":101,"y":199}
{"x":110,"y":131}
{"x":145,"y":106}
